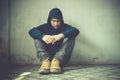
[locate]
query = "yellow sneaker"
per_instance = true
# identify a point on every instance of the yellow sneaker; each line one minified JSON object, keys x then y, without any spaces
{"x":55,"y":66}
{"x":45,"y":67}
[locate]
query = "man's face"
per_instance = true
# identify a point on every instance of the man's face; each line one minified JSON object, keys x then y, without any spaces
{"x":55,"y":23}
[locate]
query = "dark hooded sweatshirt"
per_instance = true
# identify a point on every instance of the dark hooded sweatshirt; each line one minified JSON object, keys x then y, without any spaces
{"x":46,"y":29}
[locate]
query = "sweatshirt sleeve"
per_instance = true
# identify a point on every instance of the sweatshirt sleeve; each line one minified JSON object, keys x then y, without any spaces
{"x":70,"y":31}
{"x":36,"y":33}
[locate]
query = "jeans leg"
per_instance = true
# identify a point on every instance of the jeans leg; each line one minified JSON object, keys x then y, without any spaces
{"x":40,"y":48}
{"x":64,"y":54}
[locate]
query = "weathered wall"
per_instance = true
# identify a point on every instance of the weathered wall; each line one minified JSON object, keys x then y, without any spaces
{"x":98,"y":21}
{"x":4,"y":32}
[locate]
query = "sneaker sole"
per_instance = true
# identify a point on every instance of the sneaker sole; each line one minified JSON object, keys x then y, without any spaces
{"x":55,"y":71}
{"x":44,"y":72}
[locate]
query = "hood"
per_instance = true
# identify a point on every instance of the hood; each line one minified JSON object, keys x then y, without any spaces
{"x":55,"y":13}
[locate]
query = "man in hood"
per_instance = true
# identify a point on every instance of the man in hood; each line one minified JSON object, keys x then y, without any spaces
{"x":54,"y":42}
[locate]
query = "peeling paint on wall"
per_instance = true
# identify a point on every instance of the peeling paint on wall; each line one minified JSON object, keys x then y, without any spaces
{"x":4,"y":31}
{"x":3,"y":51}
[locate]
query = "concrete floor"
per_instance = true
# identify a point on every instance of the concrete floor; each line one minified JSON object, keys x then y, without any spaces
{"x":82,"y":72}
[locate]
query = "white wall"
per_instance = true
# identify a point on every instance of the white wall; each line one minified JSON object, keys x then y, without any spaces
{"x":98,"y":21}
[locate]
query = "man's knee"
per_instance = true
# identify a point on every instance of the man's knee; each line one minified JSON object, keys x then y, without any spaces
{"x":38,"y":41}
{"x":69,"y":41}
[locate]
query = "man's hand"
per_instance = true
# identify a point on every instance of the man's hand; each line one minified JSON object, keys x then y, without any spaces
{"x":48,"y":39}
{"x":57,"y":37}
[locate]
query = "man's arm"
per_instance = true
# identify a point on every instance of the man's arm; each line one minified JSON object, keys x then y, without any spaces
{"x":70,"y":31}
{"x":36,"y":33}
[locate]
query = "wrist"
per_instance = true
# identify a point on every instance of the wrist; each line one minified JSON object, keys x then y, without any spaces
{"x":62,"y":35}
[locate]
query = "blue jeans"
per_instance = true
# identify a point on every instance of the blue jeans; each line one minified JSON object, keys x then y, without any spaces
{"x":63,"y":54}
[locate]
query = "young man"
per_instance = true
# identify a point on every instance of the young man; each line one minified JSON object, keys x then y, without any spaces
{"x":54,"y":42}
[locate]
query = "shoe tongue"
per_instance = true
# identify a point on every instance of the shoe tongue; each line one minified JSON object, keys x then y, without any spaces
{"x":54,"y":59}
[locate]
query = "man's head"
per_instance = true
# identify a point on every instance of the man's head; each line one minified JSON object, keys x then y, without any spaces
{"x":55,"y":18}
{"x":55,"y":23}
